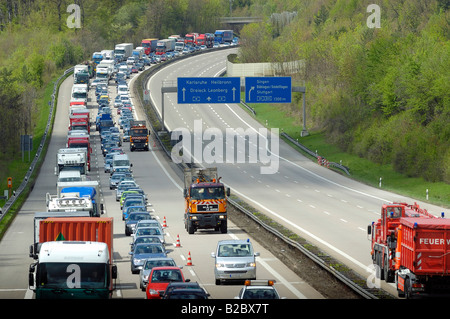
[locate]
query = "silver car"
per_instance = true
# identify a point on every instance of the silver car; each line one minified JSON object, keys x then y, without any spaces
{"x":147,"y":268}
{"x":124,"y":185}
{"x":148,"y":231}
{"x":234,"y":260}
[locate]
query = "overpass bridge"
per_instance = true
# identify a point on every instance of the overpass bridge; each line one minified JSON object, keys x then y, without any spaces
{"x":236,"y":23}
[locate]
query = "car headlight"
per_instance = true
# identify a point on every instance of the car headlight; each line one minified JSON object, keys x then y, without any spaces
{"x":251,"y":264}
{"x":219,"y":265}
{"x":137,"y":261}
{"x":153,"y":292}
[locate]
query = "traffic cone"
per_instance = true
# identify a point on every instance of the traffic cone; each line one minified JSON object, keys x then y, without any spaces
{"x":164,"y":222}
{"x":178,"y":241}
{"x":189,"y":262}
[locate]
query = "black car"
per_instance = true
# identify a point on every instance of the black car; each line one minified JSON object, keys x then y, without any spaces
{"x":184,"y":290}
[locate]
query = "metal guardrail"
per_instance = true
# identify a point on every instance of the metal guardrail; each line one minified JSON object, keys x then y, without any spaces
{"x":359,"y":290}
{"x":349,"y":283}
{"x":314,"y":154}
{"x":17,"y":192}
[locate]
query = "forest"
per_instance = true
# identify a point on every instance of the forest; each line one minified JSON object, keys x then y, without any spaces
{"x":381,"y":93}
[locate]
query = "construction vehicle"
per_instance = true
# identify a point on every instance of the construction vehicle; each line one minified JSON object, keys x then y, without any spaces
{"x":205,"y":200}
{"x":411,"y":247}
{"x":139,"y":135}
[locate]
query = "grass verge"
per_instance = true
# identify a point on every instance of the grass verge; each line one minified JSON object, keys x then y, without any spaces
{"x":363,"y":170}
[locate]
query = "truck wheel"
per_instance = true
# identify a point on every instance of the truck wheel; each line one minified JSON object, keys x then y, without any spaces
{"x":407,"y":288}
{"x":190,"y":228}
{"x":388,"y":274}
{"x":223,"y":227}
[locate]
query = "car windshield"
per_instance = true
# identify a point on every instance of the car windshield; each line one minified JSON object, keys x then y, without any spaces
{"x":166,"y":275}
{"x":151,"y":263}
{"x":147,"y":240}
{"x":234,"y":250}
{"x":207,"y":192}
{"x":148,"y":249}
{"x":139,"y":216}
{"x":263,"y":293}
{"x":136,"y":209}
{"x":55,"y":275}
{"x":148,"y":231}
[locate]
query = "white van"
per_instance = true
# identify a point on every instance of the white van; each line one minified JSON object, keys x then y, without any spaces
{"x":121,"y":162}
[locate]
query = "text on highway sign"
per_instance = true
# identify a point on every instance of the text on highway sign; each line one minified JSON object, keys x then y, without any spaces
{"x":268,"y":89}
{"x":208,"y":90}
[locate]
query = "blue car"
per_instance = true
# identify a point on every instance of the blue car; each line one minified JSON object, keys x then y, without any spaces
{"x":133,"y":209}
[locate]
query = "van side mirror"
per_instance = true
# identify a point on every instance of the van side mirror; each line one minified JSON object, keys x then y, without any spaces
{"x":114,"y":272}
{"x":228,"y":191}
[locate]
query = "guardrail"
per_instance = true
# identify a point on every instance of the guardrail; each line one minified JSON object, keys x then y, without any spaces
{"x":17,"y":192}
{"x":363,"y":292}
{"x":317,"y":156}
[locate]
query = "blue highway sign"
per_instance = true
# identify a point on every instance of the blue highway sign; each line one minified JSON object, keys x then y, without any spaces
{"x":208,"y":90}
{"x":268,"y":90}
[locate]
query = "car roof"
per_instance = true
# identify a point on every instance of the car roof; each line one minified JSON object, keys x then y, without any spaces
{"x":233,"y":241}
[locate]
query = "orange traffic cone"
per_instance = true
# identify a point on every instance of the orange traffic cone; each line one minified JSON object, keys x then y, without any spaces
{"x":189,"y":262}
{"x":164,"y":222}
{"x":178,"y":241}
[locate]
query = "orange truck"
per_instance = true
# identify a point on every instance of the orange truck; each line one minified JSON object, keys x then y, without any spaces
{"x":411,"y":247}
{"x":73,"y":259}
{"x":139,"y":135}
{"x":205,"y":200}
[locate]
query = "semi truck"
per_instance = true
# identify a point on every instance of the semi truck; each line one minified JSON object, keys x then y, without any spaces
{"x":190,"y":39}
{"x":222,"y":36}
{"x":73,"y":270}
{"x":70,"y":202}
{"x":71,"y":159}
{"x":81,"y":142}
{"x":165,"y":45}
{"x":96,"y":58}
{"x":123,"y":51}
{"x":138,"y":53}
{"x":205,"y":200}
{"x":411,"y":247}
{"x":149,"y":45}
{"x":79,"y":122}
{"x":73,"y":259}
{"x":82,"y":74}
{"x":39,"y":216}
{"x":79,"y":93}
{"x":139,"y":135}
{"x":108,"y":54}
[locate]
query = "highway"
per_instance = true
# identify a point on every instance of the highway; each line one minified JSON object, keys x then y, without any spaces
{"x":156,"y":176}
{"x":330,"y":210}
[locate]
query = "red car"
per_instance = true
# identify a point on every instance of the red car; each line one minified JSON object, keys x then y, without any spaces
{"x":159,"y":279}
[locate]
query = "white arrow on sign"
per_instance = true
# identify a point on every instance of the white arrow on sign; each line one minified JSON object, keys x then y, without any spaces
{"x":249,"y":92}
{"x":184,"y":94}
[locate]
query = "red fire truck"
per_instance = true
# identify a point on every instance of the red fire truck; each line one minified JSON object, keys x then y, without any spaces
{"x":411,"y":247}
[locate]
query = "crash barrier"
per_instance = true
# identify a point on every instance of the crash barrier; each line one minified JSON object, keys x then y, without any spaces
{"x":18,"y":191}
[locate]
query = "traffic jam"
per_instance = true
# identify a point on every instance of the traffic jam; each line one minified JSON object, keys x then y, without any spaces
{"x":74,"y":227}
